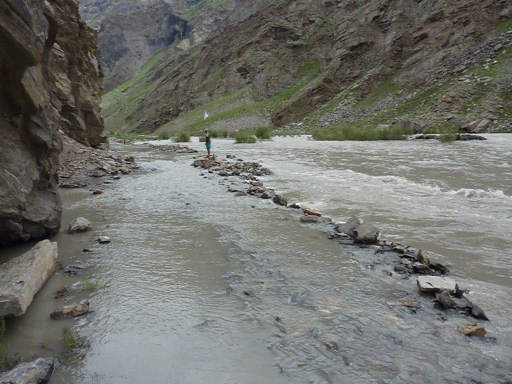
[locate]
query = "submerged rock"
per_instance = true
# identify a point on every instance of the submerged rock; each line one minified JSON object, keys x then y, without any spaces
{"x":22,"y":277}
{"x":433,"y":284}
{"x":80,"y":224}
{"x":473,"y":330}
{"x":38,"y":371}
{"x":74,"y":310}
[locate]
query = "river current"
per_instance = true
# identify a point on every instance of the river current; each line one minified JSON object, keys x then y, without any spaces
{"x":201,"y":285}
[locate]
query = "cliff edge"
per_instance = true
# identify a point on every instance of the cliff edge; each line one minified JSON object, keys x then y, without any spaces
{"x":50,"y":84}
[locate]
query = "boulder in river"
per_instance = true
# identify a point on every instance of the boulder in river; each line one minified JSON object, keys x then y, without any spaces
{"x":104,"y":239}
{"x":366,"y":234}
{"x":280,"y":200}
{"x":349,"y":227}
{"x":445,"y":300}
{"x":309,"y":219}
{"x":22,"y":277}
{"x":433,"y":284}
{"x":37,"y":371}
{"x":74,"y":310}
{"x":80,"y":224}
{"x":473,"y":330}
{"x":311,"y":212}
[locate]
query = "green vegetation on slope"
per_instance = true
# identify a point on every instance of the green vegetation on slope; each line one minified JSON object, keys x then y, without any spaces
{"x":241,"y":103}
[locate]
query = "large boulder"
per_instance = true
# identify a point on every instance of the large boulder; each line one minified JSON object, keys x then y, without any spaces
{"x":477,"y":126}
{"x":38,"y":371}
{"x":22,"y":277}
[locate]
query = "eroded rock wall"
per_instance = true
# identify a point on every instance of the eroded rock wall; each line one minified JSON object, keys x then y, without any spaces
{"x":34,"y":103}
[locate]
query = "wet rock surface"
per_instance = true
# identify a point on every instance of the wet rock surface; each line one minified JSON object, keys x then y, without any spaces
{"x":69,"y":311}
{"x":80,"y":224}
{"x":38,"y":371}
{"x":473,"y":330}
{"x":22,"y":277}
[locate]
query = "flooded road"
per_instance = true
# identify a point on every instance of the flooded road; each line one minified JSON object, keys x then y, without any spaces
{"x":199,"y":284}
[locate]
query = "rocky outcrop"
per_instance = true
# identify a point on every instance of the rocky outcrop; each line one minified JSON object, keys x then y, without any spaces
{"x":49,"y":79}
{"x":75,"y":75}
{"x":22,"y":277}
{"x":126,"y":42}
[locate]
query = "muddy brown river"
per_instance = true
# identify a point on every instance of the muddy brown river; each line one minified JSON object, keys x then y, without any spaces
{"x":201,"y":285}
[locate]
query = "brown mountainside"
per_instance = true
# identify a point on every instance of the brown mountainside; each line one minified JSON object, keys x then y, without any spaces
{"x":333,"y":61}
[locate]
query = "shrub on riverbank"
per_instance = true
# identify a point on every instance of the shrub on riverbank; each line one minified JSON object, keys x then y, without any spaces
{"x":183,"y":137}
{"x":358,"y":133}
{"x":263,"y":132}
{"x":164,"y":136}
{"x":244,"y":137}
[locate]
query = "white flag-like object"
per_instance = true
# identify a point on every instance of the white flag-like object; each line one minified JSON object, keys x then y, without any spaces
{"x":205,"y":115}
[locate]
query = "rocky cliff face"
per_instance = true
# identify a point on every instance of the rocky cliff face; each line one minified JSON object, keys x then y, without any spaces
{"x":337,"y":60}
{"x":49,"y":79}
{"x":127,"y":41}
{"x":132,"y":31}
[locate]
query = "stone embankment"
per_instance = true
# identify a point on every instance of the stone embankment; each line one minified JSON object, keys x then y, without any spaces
{"x":406,"y":261}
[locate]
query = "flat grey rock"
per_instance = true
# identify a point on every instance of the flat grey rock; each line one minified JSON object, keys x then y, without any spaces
{"x":23,"y":276}
{"x":33,"y":372}
{"x":433,"y":284}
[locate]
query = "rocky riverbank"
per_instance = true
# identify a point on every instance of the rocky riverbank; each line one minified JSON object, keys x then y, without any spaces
{"x":389,"y":257}
{"x":86,"y":167}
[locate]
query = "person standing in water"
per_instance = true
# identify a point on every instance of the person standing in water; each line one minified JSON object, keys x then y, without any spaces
{"x":208,"y":142}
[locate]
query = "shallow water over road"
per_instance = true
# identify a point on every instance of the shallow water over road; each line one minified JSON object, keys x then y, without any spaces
{"x":199,"y":284}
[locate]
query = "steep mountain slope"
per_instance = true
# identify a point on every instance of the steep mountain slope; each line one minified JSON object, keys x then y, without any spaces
{"x":333,"y":62}
{"x":49,"y":83}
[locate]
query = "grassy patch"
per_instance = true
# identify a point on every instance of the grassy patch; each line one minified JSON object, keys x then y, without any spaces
{"x":385,"y":89}
{"x":356,"y":132}
{"x":504,"y":26}
{"x":74,"y":347}
{"x":183,"y":137}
